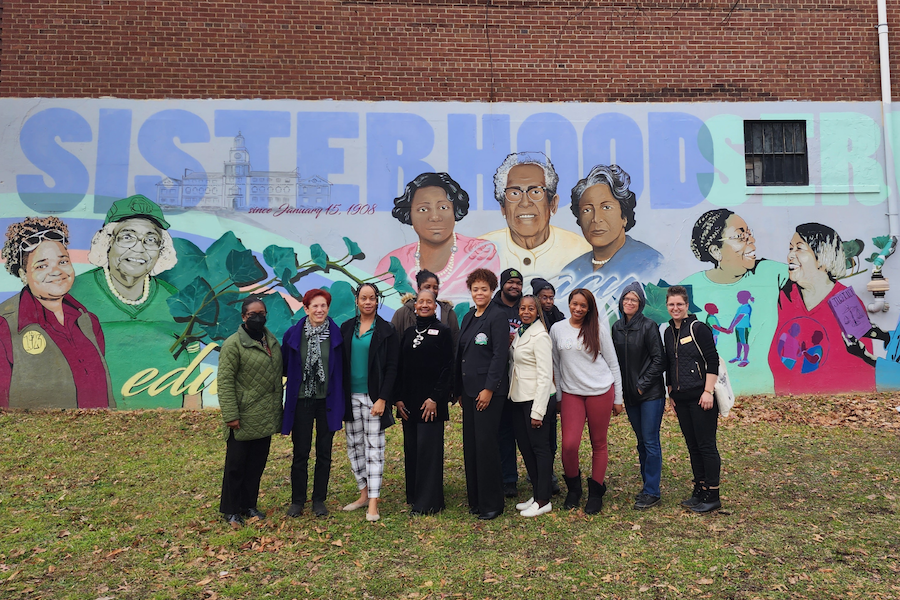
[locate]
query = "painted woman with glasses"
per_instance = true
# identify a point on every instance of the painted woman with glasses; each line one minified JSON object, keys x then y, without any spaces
{"x":51,"y":348}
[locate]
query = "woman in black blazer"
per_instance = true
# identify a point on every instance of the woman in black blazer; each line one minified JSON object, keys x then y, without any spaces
{"x":368,"y":394}
{"x":482,"y":383}
{"x":425,"y":382}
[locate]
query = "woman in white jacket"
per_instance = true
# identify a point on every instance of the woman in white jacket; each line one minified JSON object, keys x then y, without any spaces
{"x":531,"y":384}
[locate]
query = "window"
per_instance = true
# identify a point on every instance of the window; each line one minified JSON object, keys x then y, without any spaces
{"x":775,"y":153}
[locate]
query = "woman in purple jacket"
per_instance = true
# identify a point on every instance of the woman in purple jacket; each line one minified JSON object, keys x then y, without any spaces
{"x":312,"y":355}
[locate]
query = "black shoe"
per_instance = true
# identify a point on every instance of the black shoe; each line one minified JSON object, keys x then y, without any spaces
{"x":554,"y":485}
{"x":474,"y":510}
{"x":319,"y":508}
{"x":595,"y":497}
{"x":490,"y":516}
{"x":646,"y":501}
{"x":694,"y":500}
{"x":236,"y":521}
{"x":295,"y":510}
{"x":709,"y":500}
{"x":573,"y":496}
{"x":251,"y":513}
{"x":510,"y":490}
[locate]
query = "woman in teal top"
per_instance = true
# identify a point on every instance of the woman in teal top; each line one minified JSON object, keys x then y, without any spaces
{"x":370,"y":368}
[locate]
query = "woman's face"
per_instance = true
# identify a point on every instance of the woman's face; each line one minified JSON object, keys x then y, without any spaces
{"x":432,"y":216}
{"x":48,"y":271}
{"x":803,"y":266}
{"x":578,"y":308}
{"x":601,"y":217}
{"x":367,"y":301}
{"x":677,"y":307}
{"x":738,"y":251}
{"x":528,"y":311}
{"x":317,"y":310}
{"x":256,"y":308}
{"x":481,"y":294}
{"x":630,"y":304}
{"x":425,"y":305}
{"x":430,"y":284}
{"x":135,"y":248}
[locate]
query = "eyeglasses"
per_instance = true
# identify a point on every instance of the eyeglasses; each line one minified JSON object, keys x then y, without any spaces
{"x":128,"y":239}
{"x":630,"y":301}
{"x":742,"y":236}
{"x":535,"y":193}
{"x":33,"y":241}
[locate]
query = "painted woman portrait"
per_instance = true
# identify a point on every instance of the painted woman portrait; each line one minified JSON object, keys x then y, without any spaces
{"x":723,"y":239}
{"x":51,"y":348}
{"x":432,"y":203}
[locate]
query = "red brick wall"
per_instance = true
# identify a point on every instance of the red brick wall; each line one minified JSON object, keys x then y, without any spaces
{"x":554,"y":50}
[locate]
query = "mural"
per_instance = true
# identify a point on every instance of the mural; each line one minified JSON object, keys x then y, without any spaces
{"x":134,"y":229}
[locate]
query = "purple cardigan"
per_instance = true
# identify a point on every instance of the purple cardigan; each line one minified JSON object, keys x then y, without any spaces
{"x":292,"y":363}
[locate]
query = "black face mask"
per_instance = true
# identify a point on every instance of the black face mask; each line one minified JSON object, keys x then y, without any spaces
{"x":256,"y":323}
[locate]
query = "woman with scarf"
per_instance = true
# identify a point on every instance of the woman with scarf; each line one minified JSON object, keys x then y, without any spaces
{"x":313,"y":362}
{"x":425,"y":380}
{"x":642,"y":362}
{"x":250,"y":397}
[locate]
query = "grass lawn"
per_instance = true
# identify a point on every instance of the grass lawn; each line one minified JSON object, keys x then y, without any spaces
{"x":124,"y":505}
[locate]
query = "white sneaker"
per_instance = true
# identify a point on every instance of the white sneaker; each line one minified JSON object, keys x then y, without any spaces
{"x":526,"y":504}
{"x":535,"y":510}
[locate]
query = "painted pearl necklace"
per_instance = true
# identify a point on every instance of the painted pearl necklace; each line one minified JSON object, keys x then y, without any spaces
{"x":600,"y":263}
{"x":449,"y":268}
{"x":122,"y":299}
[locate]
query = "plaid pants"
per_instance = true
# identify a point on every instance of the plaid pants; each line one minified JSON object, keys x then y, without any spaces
{"x":365,"y":445}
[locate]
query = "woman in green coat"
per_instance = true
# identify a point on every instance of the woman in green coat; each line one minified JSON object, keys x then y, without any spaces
{"x":250,"y":395}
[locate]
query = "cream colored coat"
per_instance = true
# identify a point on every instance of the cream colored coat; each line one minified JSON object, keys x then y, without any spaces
{"x":531,"y":369}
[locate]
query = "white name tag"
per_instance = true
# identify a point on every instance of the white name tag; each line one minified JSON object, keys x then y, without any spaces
{"x":433,"y":332}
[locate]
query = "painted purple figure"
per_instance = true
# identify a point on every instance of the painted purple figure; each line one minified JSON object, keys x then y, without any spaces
{"x":788,"y":348}
{"x":740,"y":325}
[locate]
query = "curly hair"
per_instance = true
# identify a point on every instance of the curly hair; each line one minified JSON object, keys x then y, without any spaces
{"x":17,"y":233}
{"x":455,"y":194}
{"x":617,"y":181}
{"x":103,"y":240}
{"x":482,"y":275}
{"x":501,"y":177}
{"x":708,"y":231}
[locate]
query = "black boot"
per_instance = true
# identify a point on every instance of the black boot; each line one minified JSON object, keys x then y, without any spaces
{"x":595,"y":497}
{"x":694,"y":500}
{"x":709,"y":500}
{"x":573,"y":497}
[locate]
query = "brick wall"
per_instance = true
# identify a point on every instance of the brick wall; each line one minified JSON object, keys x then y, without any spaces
{"x":468,"y":50}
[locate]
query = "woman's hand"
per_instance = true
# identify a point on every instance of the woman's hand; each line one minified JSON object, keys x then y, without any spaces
{"x":483,"y":399}
{"x":378,"y":408}
{"x":706,"y":400}
{"x":401,"y":409}
{"x":618,"y":408}
{"x":236,"y":424}
{"x":429,"y":410}
{"x":536,"y":423}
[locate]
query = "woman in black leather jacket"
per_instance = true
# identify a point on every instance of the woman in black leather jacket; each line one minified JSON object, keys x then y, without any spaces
{"x":642,"y":362}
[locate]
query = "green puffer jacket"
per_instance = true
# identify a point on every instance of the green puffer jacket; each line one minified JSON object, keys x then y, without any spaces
{"x":250,"y":386}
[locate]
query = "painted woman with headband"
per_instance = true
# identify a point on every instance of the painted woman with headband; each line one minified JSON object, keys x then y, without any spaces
{"x":371,"y":348}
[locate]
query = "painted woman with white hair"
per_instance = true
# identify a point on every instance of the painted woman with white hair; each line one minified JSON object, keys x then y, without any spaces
{"x":819,"y":355}
{"x":129,"y":250}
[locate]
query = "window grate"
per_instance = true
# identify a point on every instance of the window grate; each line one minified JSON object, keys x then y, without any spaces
{"x":775,"y":153}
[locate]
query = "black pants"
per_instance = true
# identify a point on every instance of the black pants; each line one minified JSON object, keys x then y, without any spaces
{"x":244,"y":466}
{"x":310,"y":411}
{"x":423,"y":454}
{"x":534,"y":445}
{"x":481,"y":452}
{"x":507,"y":440}
{"x":551,"y":419}
{"x":699,"y":429}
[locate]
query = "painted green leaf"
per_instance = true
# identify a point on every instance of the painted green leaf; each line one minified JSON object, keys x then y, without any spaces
{"x":354,"y":250}
{"x":343,"y":302}
{"x":217,"y":255}
{"x":318,"y":256}
{"x":279,"y":314}
{"x":284,"y":264}
{"x":461,"y":310}
{"x":881,"y":241}
{"x":195,"y":299}
{"x":872,"y":257}
{"x":227,"y":324}
{"x":191,"y":264}
{"x":853,"y":248}
{"x":401,"y":281}
{"x":655,"y":308}
{"x":244,"y":268}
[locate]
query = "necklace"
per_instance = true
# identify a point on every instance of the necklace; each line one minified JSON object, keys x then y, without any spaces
{"x":600,"y":263}
{"x":120,"y":297}
{"x":449,"y":268}
{"x":417,"y":341}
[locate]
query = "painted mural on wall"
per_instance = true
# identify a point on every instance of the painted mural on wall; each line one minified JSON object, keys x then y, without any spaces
{"x":134,"y":230}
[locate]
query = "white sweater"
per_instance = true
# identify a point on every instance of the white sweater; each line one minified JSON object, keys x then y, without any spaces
{"x":575,"y":369}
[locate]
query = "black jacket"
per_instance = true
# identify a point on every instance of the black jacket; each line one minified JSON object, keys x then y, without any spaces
{"x":510,"y":312}
{"x":686,"y":365}
{"x":405,"y":317}
{"x":426,"y":370}
{"x":482,"y":359}
{"x":640,"y":350}
{"x":384,"y":352}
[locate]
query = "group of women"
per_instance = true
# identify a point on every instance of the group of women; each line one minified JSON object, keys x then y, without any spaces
{"x":422,"y":363}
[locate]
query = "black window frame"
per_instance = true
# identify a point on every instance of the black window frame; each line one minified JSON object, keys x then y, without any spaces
{"x":775,"y":153}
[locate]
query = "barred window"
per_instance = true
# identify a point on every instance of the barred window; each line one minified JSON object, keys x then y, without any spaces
{"x":775,"y":153}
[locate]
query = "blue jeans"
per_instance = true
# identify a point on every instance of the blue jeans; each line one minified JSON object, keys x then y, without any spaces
{"x":646,"y":419}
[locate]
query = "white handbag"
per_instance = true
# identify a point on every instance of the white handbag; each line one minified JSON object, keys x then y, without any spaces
{"x":722,"y":391}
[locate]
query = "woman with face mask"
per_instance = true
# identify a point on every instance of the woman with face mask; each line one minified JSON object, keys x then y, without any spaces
{"x":370,"y":370}
{"x":250,"y":394}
